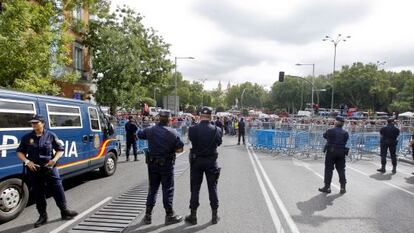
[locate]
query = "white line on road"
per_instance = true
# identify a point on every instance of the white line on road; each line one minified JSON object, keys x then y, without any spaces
{"x":305,"y":165}
{"x":81,"y":215}
{"x":292,"y":226}
{"x":384,"y":182}
{"x":270,"y":206}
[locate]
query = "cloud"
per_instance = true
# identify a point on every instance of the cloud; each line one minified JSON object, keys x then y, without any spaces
{"x":308,"y":22}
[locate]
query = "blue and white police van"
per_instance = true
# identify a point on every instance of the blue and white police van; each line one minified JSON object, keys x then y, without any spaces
{"x":87,"y":134}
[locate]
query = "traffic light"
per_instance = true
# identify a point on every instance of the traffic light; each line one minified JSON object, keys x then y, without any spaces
{"x":281,"y":76}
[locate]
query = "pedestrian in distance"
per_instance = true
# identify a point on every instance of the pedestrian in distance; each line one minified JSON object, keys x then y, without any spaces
{"x":335,"y":153}
{"x":163,"y":143}
{"x":205,"y":138}
{"x":131,"y":138}
{"x":38,"y":146}
{"x":389,"y":135}
{"x":242,"y":128}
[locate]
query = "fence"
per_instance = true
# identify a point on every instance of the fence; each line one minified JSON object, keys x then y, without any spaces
{"x":307,"y":139}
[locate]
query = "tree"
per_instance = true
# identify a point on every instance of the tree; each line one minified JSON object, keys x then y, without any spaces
{"x":33,"y":44}
{"x":131,"y":58}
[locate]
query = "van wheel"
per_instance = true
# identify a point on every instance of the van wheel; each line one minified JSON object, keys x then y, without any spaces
{"x":13,"y":198}
{"x":109,"y":167}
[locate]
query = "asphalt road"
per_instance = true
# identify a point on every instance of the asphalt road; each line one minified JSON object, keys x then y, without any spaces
{"x":258,"y":192}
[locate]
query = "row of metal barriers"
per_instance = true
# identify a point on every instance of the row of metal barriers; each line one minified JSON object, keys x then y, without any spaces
{"x":308,"y":141}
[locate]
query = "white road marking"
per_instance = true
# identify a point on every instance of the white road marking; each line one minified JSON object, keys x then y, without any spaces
{"x":305,"y":165}
{"x":384,"y":182}
{"x":270,"y":206}
{"x":292,"y":226}
{"x":81,"y":215}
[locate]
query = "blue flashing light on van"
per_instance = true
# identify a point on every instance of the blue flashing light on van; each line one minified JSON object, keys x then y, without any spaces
{"x":87,"y":134}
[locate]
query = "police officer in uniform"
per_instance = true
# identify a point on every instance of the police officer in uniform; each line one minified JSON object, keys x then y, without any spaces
{"x":38,"y":145}
{"x":389,"y":135}
{"x":163,"y":143}
{"x":242,"y":130}
{"x":131,"y":138}
{"x":205,"y":138}
{"x":336,"y":151}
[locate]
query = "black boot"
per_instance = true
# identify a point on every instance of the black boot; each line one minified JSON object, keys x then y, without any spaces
{"x":41,"y":221}
{"x":68,"y":214}
{"x":171,"y":218}
{"x":148,"y":216}
{"x":325,"y":189}
{"x":343,"y":189}
{"x":394,"y":169}
{"x":382,"y":169}
{"x":192,"y":218}
{"x":214,"y":217}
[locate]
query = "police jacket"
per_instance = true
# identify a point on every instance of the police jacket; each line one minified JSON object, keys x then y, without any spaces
{"x":205,"y":138}
{"x":131,"y":130}
{"x":163,"y":141}
{"x":389,"y":134}
{"x":336,"y":137}
{"x":242,"y":126}
{"x":40,"y":149}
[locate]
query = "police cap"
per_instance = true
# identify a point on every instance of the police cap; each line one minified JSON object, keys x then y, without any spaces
{"x":391,"y":120}
{"x":206,"y":111}
{"x":37,"y":118}
{"x":165,"y":113}
{"x":340,"y":118}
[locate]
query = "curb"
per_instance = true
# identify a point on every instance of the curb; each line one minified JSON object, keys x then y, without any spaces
{"x":405,"y":160}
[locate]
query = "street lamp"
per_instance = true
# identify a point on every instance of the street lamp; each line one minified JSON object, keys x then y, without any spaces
{"x":175,"y":81}
{"x":155,"y":89}
{"x":335,"y":42}
{"x":313,"y":77}
{"x":241,"y":98}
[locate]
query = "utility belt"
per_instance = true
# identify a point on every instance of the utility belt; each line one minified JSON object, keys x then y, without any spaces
{"x":328,"y":148}
{"x":194,"y":156}
{"x":161,"y":161}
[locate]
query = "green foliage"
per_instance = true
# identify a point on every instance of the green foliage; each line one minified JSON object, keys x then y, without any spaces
{"x":33,"y":43}
{"x":130,"y":57}
{"x":220,"y":109}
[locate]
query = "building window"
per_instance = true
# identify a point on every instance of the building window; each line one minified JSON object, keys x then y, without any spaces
{"x":78,"y":57}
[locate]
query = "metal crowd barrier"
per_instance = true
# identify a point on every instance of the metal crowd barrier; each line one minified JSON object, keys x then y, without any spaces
{"x":307,"y":139}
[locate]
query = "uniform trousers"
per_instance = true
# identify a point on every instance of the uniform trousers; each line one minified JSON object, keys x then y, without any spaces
{"x":384,"y":149}
{"x":161,"y":174}
{"x":332,"y":161}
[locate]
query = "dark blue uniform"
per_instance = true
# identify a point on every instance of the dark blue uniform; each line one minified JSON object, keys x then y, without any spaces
{"x":242,"y":128}
{"x":39,"y":150}
{"x":163,"y":141}
{"x":205,"y":138}
{"x":389,"y":136}
{"x":131,"y":138}
{"x":335,"y":154}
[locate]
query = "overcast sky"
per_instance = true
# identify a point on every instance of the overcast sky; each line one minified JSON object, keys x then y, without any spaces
{"x":252,"y":40}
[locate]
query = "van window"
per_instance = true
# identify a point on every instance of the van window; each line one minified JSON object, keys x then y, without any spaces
{"x":16,"y":114}
{"x":94,"y":119}
{"x":64,"y":116}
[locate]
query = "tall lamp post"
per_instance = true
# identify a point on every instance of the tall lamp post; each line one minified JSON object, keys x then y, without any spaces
{"x":313,"y":78}
{"x":175,"y":81}
{"x":335,"y":42}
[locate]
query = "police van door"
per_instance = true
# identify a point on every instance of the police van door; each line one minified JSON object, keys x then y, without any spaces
{"x":95,"y":137}
{"x":67,"y":121}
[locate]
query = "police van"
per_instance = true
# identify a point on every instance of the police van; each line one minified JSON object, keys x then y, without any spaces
{"x":87,"y":134}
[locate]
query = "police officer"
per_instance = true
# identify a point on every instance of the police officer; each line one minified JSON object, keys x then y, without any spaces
{"x":388,"y":141}
{"x":242,"y":129}
{"x":38,"y":145}
{"x":163,"y":143}
{"x":205,"y":138}
{"x":131,"y":138}
{"x":336,"y":151}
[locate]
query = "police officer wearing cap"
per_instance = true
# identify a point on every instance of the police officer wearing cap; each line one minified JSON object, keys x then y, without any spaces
{"x":389,"y":135}
{"x":205,"y":138}
{"x":38,"y":145}
{"x":131,"y":138}
{"x":335,"y":152}
{"x":163,"y":143}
